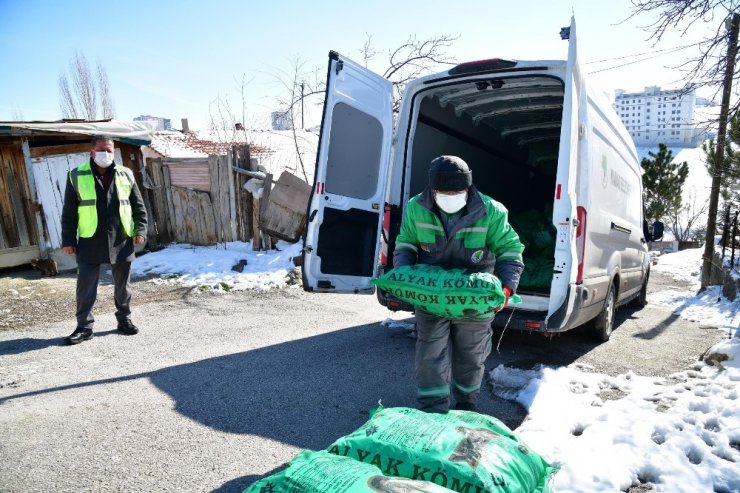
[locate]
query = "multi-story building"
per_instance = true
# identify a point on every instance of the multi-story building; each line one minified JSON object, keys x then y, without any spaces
{"x":656,"y":116}
{"x":162,"y":123}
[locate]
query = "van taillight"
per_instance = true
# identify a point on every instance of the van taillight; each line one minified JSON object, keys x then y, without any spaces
{"x":533,"y":325}
{"x":581,"y":241}
{"x":482,"y":66}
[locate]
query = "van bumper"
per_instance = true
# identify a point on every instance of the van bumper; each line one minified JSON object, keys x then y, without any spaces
{"x":561,"y":320}
{"x":537,"y":321}
{"x":392,"y":303}
{"x":513,"y":318}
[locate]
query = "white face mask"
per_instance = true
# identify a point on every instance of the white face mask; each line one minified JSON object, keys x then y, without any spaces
{"x":103,"y":158}
{"x":451,"y":203}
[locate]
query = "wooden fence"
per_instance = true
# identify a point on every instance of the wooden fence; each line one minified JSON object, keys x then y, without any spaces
{"x":203,"y":201}
{"x":19,"y":237}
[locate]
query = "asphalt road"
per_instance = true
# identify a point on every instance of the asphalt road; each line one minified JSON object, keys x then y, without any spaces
{"x":217,"y":391}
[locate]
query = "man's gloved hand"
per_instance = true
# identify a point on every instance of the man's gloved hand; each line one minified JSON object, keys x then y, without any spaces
{"x":507,"y":293}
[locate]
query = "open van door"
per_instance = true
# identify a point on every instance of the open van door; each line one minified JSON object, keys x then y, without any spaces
{"x":565,"y":214}
{"x":342,"y":240}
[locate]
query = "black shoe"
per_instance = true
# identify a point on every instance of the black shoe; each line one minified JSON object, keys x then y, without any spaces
{"x":128,"y":328}
{"x":465,"y":406}
{"x":79,"y":335}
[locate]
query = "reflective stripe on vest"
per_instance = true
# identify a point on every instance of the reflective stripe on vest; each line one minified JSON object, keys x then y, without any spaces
{"x":83,"y":183}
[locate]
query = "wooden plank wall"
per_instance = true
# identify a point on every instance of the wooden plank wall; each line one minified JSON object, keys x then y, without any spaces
{"x":195,"y":176}
{"x":159,"y":213}
{"x":186,"y":214}
{"x":194,"y":213}
{"x":225,"y":212}
{"x":17,"y":222}
{"x":242,"y":199}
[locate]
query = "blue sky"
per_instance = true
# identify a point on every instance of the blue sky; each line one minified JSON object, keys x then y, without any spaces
{"x":174,"y":58}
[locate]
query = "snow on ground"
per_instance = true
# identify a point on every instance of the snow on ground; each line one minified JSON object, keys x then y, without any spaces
{"x":680,"y":434}
{"x":685,"y":266}
{"x":211,"y":266}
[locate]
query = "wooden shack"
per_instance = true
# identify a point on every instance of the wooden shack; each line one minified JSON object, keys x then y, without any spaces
{"x":35,"y":158}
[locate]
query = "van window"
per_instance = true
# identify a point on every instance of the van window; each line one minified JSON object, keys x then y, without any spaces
{"x":354,"y":153}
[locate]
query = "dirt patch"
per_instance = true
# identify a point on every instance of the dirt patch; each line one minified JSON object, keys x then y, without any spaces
{"x":27,"y":298}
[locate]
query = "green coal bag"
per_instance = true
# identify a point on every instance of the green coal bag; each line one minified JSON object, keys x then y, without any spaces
{"x":322,"y":472}
{"x":449,"y":293}
{"x":537,"y":273}
{"x":462,"y":451}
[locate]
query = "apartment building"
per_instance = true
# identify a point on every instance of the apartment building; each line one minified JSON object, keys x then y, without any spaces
{"x":660,"y":116}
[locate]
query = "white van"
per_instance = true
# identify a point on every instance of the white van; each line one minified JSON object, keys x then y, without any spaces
{"x":537,"y":138}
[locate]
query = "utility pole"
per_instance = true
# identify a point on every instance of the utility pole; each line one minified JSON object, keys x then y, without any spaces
{"x":706,"y":269}
{"x":303,"y":86}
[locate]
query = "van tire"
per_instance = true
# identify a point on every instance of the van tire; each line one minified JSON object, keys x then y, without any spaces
{"x":604,"y":322}
{"x":641,"y":300}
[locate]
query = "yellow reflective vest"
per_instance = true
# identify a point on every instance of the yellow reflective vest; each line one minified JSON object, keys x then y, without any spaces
{"x":83,"y":182}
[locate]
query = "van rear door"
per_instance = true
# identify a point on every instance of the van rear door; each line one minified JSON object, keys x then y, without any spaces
{"x":342,"y":240}
{"x":562,"y":297}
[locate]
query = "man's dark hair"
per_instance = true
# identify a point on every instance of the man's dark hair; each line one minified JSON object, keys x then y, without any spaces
{"x":98,"y":138}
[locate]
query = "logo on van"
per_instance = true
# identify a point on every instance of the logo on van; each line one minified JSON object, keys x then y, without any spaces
{"x":477,"y":256}
{"x":604,"y":172}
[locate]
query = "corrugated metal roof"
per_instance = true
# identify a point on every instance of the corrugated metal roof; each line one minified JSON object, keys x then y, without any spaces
{"x":135,"y":133}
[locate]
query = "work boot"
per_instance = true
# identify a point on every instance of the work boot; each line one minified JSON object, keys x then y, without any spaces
{"x":79,"y":335}
{"x":127,"y":327}
{"x":465,"y":406}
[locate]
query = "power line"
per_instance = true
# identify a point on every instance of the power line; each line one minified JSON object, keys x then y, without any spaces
{"x":641,"y":60}
{"x":643,"y":53}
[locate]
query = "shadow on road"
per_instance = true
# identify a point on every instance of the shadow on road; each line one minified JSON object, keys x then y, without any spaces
{"x":309,"y":392}
{"x":526,"y":350}
{"x":29,"y":344}
{"x":661,"y":327}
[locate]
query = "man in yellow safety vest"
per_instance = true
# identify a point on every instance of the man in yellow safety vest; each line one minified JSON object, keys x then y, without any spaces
{"x":103,"y":217}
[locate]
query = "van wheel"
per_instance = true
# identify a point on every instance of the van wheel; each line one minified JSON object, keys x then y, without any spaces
{"x":604,"y":322}
{"x":641,"y":300}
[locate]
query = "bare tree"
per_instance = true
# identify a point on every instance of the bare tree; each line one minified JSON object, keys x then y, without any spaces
{"x":412,"y":59}
{"x":79,"y":94}
{"x":66,"y":100}
{"x":104,"y":88}
{"x":297,"y":87}
{"x":707,"y":68}
{"x":685,"y":221}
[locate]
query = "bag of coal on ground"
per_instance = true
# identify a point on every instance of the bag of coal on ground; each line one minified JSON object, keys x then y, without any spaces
{"x":462,"y":450}
{"x":452,"y":293}
{"x":321,"y":472}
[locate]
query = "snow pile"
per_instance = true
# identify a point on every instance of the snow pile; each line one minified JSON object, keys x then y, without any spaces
{"x":681,"y":434}
{"x":704,"y":307}
{"x":211,"y":266}
{"x":682,"y":266}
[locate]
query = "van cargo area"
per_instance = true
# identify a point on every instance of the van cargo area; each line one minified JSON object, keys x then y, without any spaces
{"x":508,"y":131}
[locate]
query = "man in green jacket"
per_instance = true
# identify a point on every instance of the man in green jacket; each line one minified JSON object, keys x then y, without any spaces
{"x":452,"y":225}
